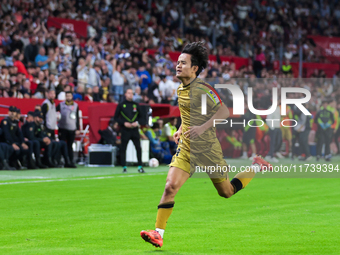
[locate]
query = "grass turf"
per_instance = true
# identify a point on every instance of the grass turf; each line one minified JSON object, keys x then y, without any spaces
{"x":101,"y":211}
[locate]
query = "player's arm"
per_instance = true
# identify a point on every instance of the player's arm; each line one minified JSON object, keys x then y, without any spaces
{"x":221,"y":113}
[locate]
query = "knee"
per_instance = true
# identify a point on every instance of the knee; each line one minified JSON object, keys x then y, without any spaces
{"x":225,"y":194}
{"x":170,"y":189}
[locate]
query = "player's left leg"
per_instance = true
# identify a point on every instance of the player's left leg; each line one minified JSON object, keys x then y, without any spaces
{"x":175,"y":180}
{"x":226,"y":188}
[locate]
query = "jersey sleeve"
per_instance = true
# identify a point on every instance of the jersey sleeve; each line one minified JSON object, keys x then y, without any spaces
{"x":213,"y":99}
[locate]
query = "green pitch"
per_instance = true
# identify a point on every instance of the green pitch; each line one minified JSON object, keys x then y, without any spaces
{"x":101,"y":211}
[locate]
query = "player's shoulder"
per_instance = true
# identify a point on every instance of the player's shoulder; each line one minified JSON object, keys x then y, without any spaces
{"x":202,"y":87}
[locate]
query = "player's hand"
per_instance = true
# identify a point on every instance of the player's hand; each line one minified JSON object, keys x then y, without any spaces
{"x":194,"y":132}
{"x":177,"y":135}
{"x":127,"y":124}
{"x":134,"y":124}
{"x":24,"y":146}
{"x":77,"y":132}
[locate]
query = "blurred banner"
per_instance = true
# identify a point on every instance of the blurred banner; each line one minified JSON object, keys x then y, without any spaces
{"x":77,"y":26}
{"x":330,"y":46}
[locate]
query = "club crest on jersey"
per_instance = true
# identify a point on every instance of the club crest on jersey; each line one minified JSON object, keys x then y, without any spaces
{"x":212,"y":96}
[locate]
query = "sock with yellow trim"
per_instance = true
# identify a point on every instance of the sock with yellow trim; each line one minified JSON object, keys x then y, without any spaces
{"x":241,"y":180}
{"x":163,"y":214}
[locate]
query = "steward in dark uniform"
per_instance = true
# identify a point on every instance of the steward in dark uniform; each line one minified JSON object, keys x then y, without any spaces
{"x":33,"y":143}
{"x":45,"y":142}
{"x":61,"y":145}
{"x":324,"y":119}
{"x":6,"y":152}
{"x":12,"y":135}
{"x":127,"y":115}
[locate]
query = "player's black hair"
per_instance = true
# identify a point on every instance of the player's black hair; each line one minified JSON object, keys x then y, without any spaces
{"x":69,"y":92}
{"x":199,"y":55}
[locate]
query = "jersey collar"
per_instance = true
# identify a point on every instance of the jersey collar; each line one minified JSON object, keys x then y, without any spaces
{"x":189,"y":83}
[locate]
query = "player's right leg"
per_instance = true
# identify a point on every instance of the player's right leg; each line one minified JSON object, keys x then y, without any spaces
{"x":226,"y":188}
{"x":174,"y":181}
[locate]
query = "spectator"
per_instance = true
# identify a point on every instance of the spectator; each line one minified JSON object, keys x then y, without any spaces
{"x":67,"y":49}
{"x":166,"y":89}
{"x":96,"y":95}
{"x":31,"y":51}
{"x":144,"y":77}
{"x":78,"y":96}
{"x":104,"y":90}
{"x":88,"y":96}
{"x":131,"y":77}
{"x":94,"y":76}
{"x":82,"y":71}
{"x":67,"y":88}
{"x":42,"y":60}
{"x":118,"y":80}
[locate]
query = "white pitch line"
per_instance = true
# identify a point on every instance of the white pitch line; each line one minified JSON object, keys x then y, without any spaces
{"x":79,"y":179}
{"x":24,"y":177}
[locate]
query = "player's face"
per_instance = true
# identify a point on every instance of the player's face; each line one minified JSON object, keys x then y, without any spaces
{"x":184,"y":68}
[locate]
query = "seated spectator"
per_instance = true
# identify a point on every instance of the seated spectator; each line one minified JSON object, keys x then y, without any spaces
{"x":78,"y":95}
{"x":110,"y":134}
{"x":88,"y":95}
{"x":168,"y":132}
{"x":166,"y":89}
{"x":40,"y":91}
{"x":14,"y":91}
{"x":159,"y":150}
{"x":96,"y":95}
{"x":26,"y":89}
{"x":137,"y":97}
{"x":62,"y":95}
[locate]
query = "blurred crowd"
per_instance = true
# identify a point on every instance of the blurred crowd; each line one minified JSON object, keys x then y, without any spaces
{"x":35,"y":58}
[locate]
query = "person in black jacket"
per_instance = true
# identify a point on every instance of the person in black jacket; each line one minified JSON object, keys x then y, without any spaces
{"x":6,"y":152}
{"x":54,"y":158}
{"x":33,"y":143}
{"x":128,"y":113}
{"x":12,"y":135}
